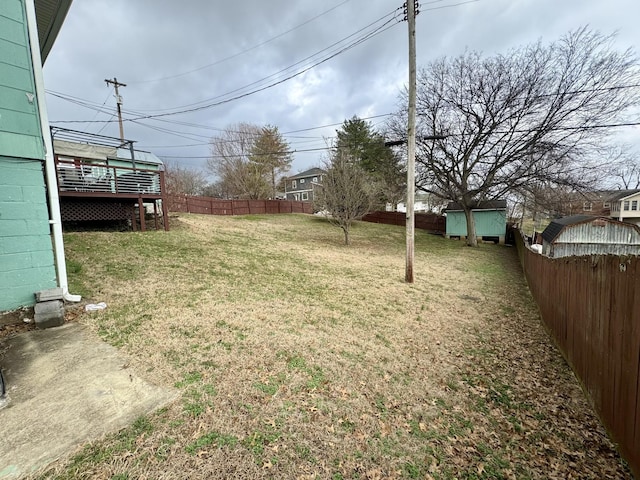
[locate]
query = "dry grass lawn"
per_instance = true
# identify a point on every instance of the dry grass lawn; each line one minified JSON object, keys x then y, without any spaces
{"x":298,"y":357}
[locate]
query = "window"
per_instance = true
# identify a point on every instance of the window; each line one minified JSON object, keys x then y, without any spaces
{"x":315,"y":179}
{"x":302,"y":180}
{"x":626,"y":205}
{"x":634,"y":205}
{"x":606,"y":205}
{"x":586,"y":206}
{"x":294,"y":184}
{"x":297,"y":197}
{"x":305,"y":196}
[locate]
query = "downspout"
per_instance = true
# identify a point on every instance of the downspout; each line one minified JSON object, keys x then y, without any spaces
{"x":50,"y":168}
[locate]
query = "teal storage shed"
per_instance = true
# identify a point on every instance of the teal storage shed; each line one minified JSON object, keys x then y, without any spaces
{"x":31,"y":249}
{"x":490,"y":218}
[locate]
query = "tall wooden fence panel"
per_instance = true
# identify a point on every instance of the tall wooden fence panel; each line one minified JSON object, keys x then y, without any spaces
{"x":424,"y":221}
{"x":216,"y":206}
{"x":591,"y":306}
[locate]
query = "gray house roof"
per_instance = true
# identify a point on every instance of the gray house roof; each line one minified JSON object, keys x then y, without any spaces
{"x":312,"y":172}
{"x":487,"y":205}
{"x":50,"y":15}
{"x":622,"y":194}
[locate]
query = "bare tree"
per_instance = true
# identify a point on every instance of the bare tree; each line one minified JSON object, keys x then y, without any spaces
{"x":347,"y":194}
{"x":624,"y":167}
{"x":247,"y":159}
{"x":533,"y":115}
{"x":230,"y":162}
{"x":180,"y":180}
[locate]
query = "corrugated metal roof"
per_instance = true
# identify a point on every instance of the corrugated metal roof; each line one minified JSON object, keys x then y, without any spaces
{"x":50,"y":16}
{"x":555,"y":227}
{"x":580,"y":230}
{"x":139,"y":155}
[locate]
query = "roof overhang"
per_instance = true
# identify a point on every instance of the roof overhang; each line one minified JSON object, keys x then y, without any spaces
{"x":50,"y":15}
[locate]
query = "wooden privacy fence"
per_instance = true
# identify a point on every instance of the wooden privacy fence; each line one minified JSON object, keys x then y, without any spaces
{"x":424,"y":221}
{"x":216,"y":206}
{"x":591,"y":305}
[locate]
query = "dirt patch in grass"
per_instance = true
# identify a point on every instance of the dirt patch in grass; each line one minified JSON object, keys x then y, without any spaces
{"x":298,"y":357}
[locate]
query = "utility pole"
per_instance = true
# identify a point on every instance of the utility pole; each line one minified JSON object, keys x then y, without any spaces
{"x":117,"y":84}
{"x":411,"y":8}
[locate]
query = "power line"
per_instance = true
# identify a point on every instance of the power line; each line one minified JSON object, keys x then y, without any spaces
{"x":217,"y":62}
{"x":367,"y":36}
{"x":98,"y":111}
{"x":391,"y":143}
{"x":332,"y":50}
{"x":354,"y":43}
{"x":449,"y":6}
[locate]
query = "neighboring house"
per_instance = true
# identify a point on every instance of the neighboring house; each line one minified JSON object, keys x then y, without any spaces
{"x":588,"y":235}
{"x":31,"y":245}
{"x":617,"y":204}
{"x":490,"y":219}
{"x":102,"y":178}
{"x":597,"y":203}
{"x":625,"y":206}
{"x":303,"y":186}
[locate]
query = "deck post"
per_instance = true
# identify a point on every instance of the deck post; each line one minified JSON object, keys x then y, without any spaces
{"x":155,"y":213}
{"x":134,"y":222}
{"x":143,"y":227}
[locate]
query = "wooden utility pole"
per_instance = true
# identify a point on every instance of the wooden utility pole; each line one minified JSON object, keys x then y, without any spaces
{"x":117,"y":84}
{"x":411,"y":140}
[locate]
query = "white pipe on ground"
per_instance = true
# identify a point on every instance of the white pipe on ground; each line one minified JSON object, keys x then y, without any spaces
{"x":50,"y":168}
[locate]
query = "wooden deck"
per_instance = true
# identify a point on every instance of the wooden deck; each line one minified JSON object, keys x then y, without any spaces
{"x":92,"y":191}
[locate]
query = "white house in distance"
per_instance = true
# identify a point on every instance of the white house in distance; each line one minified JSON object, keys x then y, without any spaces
{"x":626,"y":206}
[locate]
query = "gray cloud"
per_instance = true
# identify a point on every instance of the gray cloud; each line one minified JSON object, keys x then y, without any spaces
{"x":143,"y":41}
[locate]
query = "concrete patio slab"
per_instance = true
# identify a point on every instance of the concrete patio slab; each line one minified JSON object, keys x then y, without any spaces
{"x":65,"y":387}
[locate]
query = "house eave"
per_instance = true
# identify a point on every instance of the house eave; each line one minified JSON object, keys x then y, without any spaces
{"x":50,"y":15}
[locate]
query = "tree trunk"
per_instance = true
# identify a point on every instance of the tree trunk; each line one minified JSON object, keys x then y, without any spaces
{"x":472,"y":239}
{"x":347,"y":240}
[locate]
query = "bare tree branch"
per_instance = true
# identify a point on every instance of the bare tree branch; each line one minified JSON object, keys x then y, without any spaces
{"x":527,"y":117}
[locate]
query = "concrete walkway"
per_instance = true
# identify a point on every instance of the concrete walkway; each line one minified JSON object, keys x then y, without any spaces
{"x":65,"y":387}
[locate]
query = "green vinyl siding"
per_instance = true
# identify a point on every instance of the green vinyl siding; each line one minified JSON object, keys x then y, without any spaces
{"x":489,"y":223}
{"x":20,"y":131}
{"x":26,"y":251}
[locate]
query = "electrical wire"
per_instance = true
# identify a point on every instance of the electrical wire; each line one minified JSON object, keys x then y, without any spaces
{"x":286,"y":73}
{"x":237,"y":54}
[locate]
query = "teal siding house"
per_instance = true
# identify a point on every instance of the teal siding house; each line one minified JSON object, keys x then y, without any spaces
{"x":490,"y":218}
{"x":31,"y":247}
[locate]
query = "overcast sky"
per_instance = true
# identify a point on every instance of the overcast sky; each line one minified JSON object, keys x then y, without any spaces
{"x":179,"y":55}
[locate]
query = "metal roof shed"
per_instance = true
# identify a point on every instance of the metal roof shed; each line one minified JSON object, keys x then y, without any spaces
{"x":586,"y":235}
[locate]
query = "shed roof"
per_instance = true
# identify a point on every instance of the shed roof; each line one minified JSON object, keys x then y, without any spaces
{"x":486,"y":205}
{"x":101,"y":152}
{"x":554,"y":229}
